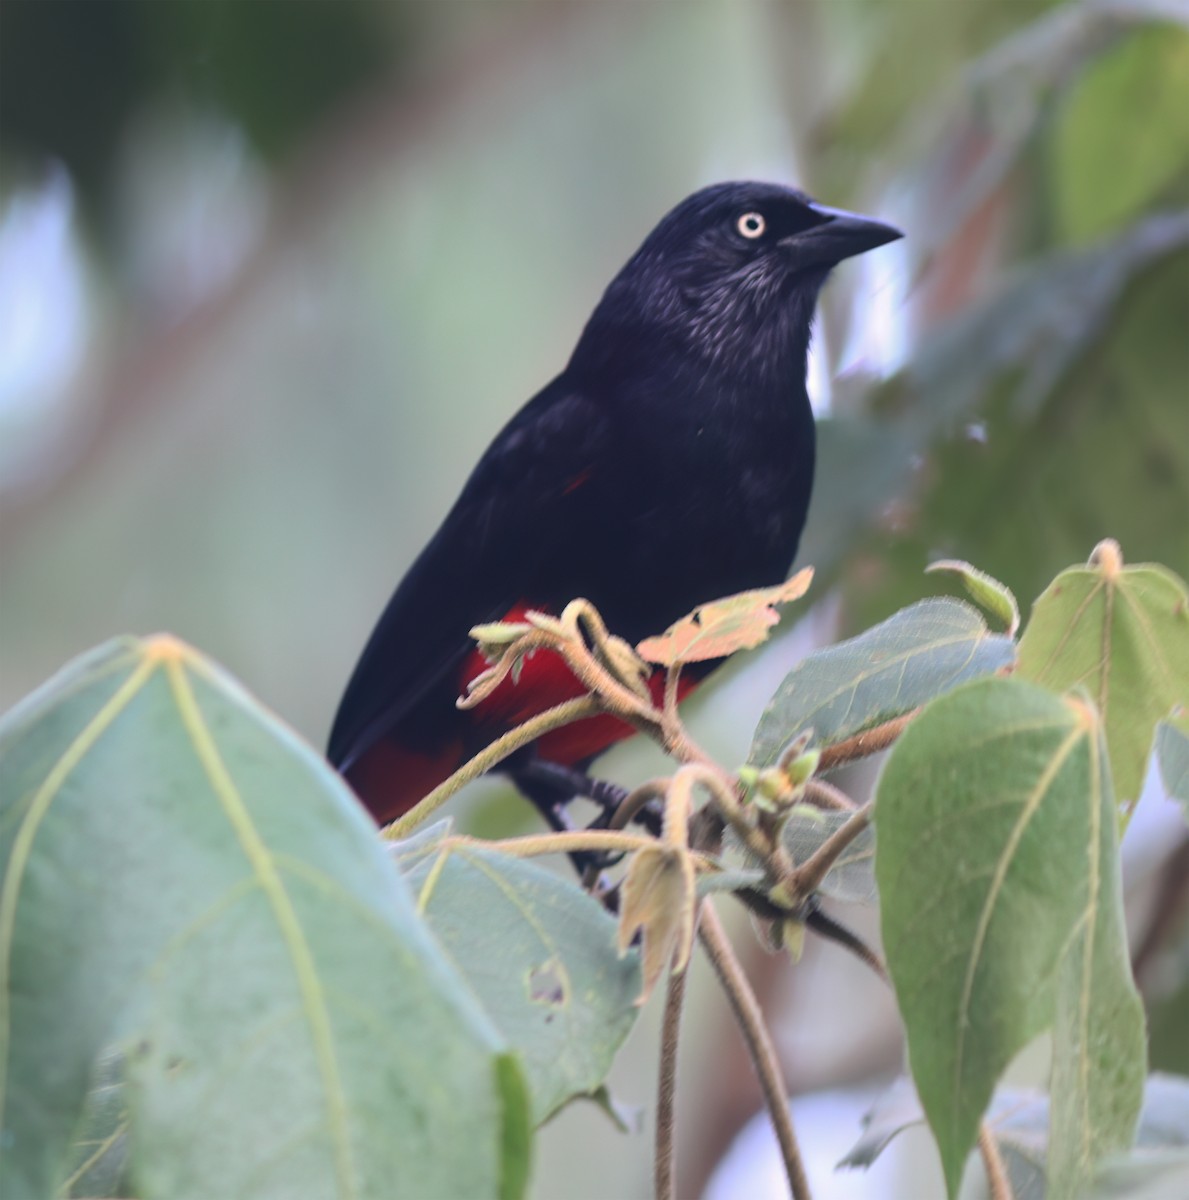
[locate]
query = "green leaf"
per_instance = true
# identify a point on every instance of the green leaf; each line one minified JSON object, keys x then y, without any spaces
{"x":540,"y":955}
{"x":995,"y":597}
{"x":1123,"y":634}
{"x":1172,"y":756}
{"x":1019,"y":1121}
{"x":1099,"y":1035}
{"x":99,"y":1164}
{"x":893,"y":668}
{"x":807,"y":828}
{"x":852,"y":877}
{"x":186,"y":881}
{"x":999,"y":889}
{"x":896,"y":1110}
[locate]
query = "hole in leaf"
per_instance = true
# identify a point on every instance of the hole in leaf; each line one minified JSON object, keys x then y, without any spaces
{"x":547,"y":984}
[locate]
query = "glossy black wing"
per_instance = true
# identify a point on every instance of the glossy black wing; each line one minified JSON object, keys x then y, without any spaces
{"x":519,"y":526}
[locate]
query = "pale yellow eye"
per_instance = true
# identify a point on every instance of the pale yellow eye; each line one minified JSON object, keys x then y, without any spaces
{"x":751,"y":225}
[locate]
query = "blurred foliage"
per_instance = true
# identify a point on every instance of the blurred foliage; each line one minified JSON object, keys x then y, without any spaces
{"x":272,"y":68}
{"x":1046,"y":408}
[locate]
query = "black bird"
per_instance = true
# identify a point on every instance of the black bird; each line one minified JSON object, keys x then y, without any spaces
{"x":669,"y":464}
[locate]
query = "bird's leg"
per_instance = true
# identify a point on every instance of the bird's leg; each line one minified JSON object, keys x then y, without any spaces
{"x":551,"y":792}
{"x":551,"y":786}
{"x":570,"y":782}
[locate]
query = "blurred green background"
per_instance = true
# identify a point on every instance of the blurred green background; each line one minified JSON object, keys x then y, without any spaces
{"x":272,"y":274}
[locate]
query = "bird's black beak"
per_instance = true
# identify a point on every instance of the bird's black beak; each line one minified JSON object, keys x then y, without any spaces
{"x":843,"y":235}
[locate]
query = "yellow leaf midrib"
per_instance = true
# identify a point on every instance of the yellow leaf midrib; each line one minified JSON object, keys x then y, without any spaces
{"x":264,"y":867}
{"x":22,"y":847}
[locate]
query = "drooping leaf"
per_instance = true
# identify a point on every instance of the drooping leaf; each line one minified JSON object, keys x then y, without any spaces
{"x":539,"y":954}
{"x":187,"y":882}
{"x":893,"y":668}
{"x":1018,"y":1119}
{"x":627,"y":1118}
{"x":659,"y":902}
{"x":895,"y":1110}
{"x":725,"y":626}
{"x":987,"y":591}
{"x":998,"y":877}
{"x":1172,"y":756}
{"x":1123,"y":634}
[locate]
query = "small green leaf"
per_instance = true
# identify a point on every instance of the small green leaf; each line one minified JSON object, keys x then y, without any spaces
{"x":894,"y":1111}
{"x":999,"y":888}
{"x":541,"y":957}
{"x":994,"y":596}
{"x":1123,"y":634}
{"x":1172,"y":756}
{"x":627,"y":1118}
{"x":896,"y":666}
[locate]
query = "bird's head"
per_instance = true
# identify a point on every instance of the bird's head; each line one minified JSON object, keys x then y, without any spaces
{"x":734,"y":271}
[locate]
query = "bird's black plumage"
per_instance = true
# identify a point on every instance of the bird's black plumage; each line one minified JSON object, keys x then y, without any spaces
{"x":670,"y":463}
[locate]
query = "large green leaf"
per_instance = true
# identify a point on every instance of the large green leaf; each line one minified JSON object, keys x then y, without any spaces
{"x":1123,"y":634}
{"x":185,"y":878}
{"x":540,"y":955}
{"x":889,"y":670}
{"x":998,"y":877}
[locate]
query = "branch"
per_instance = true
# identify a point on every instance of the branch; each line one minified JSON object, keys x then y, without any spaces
{"x":759,"y":1045}
{"x":666,"y":1092}
{"x":501,"y":748}
{"x":867,"y":743}
{"x":722,"y":798}
{"x":566,"y":842}
{"x":998,"y":1183}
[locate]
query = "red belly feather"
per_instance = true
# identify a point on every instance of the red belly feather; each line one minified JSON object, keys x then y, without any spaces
{"x":390,"y":778}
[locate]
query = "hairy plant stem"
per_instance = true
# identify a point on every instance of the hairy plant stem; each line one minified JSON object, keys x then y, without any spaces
{"x":666,"y":1090}
{"x":501,"y":748}
{"x":998,"y":1184}
{"x":566,"y":842}
{"x":826,"y":795}
{"x":759,"y":1045}
{"x":863,"y":745}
